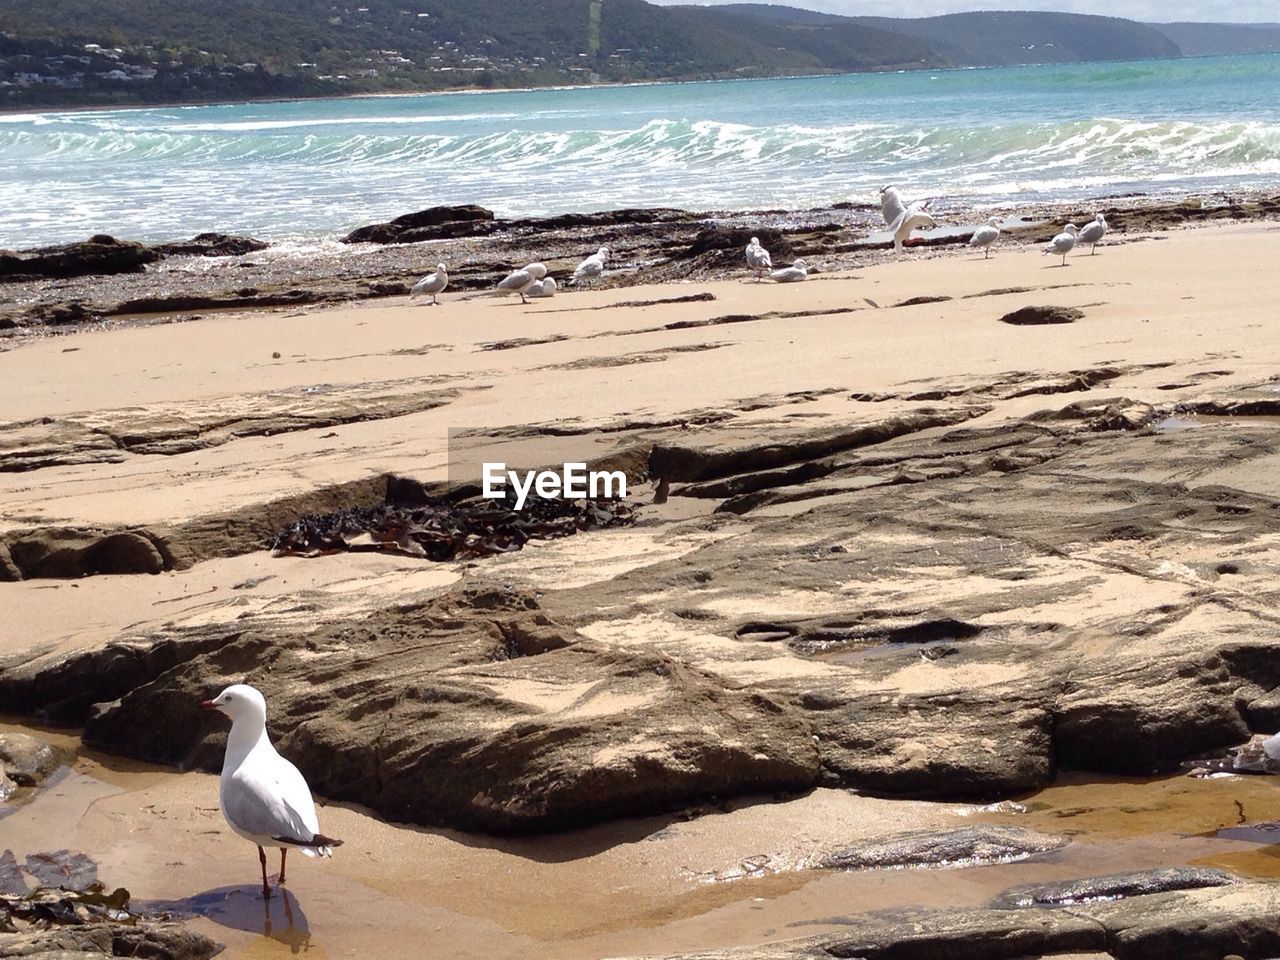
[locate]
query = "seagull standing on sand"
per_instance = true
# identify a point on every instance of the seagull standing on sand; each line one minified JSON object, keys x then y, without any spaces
{"x":590,"y":268}
{"x":546,"y":287}
{"x":263,"y":796}
{"x":1063,"y":242}
{"x":758,"y":258}
{"x":521,"y":280}
{"x":985,"y":236}
{"x":793,"y":274}
{"x":1093,"y":232}
{"x":432,"y":285}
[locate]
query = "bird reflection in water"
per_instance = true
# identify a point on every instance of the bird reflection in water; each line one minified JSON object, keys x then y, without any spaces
{"x":242,"y":908}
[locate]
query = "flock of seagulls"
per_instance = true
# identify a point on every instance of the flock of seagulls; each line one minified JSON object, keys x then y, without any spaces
{"x":901,"y":219}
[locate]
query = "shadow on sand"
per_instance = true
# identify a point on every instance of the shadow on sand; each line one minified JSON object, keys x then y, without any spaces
{"x":242,"y":908}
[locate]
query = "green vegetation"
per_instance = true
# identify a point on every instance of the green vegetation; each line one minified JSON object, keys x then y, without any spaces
{"x":82,"y":52}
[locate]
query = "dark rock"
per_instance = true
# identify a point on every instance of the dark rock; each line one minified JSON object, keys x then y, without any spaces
{"x":1139,"y":884}
{"x":918,"y":301}
{"x":965,"y":847}
{"x":63,"y":870}
{"x":68,"y":553}
{"x":733,"y":241}
{"x":1203,"y":924}
{"x":430,"y":224}
{"x":25,"y":759}
{"x":1037,"y":315}
{"x":211,"y":245}
{"x":123,"y":553}
{"x":97,"y":255}
{"x":155,"y":941}
{"x":9,"y":572}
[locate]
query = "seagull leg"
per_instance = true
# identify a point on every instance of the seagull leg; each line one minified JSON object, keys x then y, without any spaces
{"x":262,"y":859}
{"x":284,"y":852}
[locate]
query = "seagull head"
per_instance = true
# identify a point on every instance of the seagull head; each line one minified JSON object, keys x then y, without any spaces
{"x":800,"y":264}
{"x":440,"y":268}
{"x":1101,"y":219}
{"x":602,"y":252}
{"x":755,"y":242}
{"x":536,"y":270}
{"x":993,"y":221}
{"x":239,"y":700}
{"x":1071,"y":228}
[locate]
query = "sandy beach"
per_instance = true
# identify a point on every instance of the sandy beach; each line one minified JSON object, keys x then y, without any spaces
{"x":915,"y":561}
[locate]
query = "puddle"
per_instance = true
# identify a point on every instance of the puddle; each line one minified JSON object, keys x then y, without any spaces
{"x":740,"y":875}
{"x":1177,"y":424}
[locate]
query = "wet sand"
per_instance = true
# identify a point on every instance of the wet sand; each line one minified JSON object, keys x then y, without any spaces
{"x":649,"y":886}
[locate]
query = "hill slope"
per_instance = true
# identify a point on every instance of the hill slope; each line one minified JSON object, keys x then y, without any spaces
{"x":1208,"y":39}
{"x":172,"y":50}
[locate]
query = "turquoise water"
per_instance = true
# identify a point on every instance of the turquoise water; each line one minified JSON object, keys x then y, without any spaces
{"x":315,"y":169}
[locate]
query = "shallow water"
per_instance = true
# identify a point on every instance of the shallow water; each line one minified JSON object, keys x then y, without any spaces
{"x":657,"y":885}
{"x":314,"y":169}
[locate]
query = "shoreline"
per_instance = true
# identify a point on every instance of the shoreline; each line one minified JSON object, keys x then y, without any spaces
{"x":457,"y":91}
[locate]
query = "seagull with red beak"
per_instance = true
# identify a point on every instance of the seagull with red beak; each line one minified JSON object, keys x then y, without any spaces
{"x":263,"y":796}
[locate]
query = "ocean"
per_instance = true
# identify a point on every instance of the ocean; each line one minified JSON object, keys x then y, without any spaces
{"x":314,"y":169}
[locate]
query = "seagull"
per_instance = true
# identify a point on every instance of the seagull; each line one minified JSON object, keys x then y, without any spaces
{"x":891,"y":205}
{"x":590,"y":268}
{"x":545,"y":287}
{"x":1256,"y":756}
{"x":263,"y":796}
{"x":1093,"y":232}
{"x":758,"y":258}
{"x":793,"y":274}
{"x":985,"y":236}
{"x":431,"y":285}
{"x":520,"y":281}
{"x":1063,"y":242}
{"x":913,"y":217}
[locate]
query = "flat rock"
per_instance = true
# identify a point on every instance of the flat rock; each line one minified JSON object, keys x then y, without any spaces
{"x":1202,"y":924}
{"x":430,"y":224}
{"x":965,"y":847}
{"x":1114,"y":887}
{"x":158,"y":941}
{"x":25,"y":759}
{"x":1028,"y":316}
{"x":98,"y":255}
{"x":211,"y":245}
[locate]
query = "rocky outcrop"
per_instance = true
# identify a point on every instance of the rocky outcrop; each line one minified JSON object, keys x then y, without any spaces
{"x":99,"y":254}
{"x":434,"y":223}
{"x":1197,"y":924}
{"x":211,"y":245}
{"x":967,"y":846}
{"x":25,"y":760}
{"x":1032,"y":316}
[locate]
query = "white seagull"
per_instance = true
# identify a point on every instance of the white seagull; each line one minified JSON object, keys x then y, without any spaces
{"x":901,"y":218}
{"x":263,"y":796}
{"x":985,"y":236}
{"x":590,"y":268}
{"x":432,"y":285}
{"x":546,"y":287}
{"x":891,"y":205}
{"x":1063,"y":242}
{"x":1093,"y":232}
{"x":521,"y":280}
{"x":798,"y":271}
{"x":758,"y":258}
{"x":913,"y":217}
